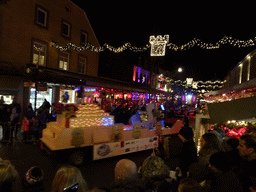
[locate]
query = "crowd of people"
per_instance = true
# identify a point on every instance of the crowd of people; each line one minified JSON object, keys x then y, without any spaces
{"x":29,"y":123}
{"x":220,"y":166}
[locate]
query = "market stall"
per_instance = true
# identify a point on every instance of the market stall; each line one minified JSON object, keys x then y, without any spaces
{"x":235,"y":117}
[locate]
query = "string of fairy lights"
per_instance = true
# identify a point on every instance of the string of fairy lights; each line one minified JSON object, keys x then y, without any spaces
{"x":197,"y":84}
{"x":158,"y":43}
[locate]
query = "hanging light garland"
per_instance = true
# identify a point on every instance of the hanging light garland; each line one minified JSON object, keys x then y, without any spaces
{"x":154,"y":42}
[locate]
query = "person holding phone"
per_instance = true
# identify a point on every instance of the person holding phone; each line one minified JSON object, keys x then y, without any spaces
{"x":69,"y":179}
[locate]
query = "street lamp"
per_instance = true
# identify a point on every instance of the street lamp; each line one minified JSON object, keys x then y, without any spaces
{"x":179,"y":69}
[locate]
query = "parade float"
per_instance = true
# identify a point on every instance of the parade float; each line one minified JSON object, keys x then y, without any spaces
{"x":88,"y":131}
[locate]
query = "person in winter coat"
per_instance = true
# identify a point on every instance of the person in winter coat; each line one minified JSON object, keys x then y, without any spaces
{"x":210,"y":145}
{"x":42,"y":118}
{"x":29,"y":112}
{"x":223,"y":179}
{"x":247,"y":150}
{"x":14,"y":120}
{"x":66,"y":176}
{"x":6,"y":122}
{"x":188,"y":153}
{"x":25,"y":125}
{"x":156,"y":176}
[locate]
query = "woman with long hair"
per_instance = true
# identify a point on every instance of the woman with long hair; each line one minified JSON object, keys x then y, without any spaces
{"x":156,"y":175}
{"x":67,"y":176}
{"x":210,"y":144}
{"x":8,"y":175}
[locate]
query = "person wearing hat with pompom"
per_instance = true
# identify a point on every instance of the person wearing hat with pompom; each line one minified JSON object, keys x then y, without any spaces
{"x":33,"y":180}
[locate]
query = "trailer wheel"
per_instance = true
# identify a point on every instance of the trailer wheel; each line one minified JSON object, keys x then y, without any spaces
{"x":77,"y":157}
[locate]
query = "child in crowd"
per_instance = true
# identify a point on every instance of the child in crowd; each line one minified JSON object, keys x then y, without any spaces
{"x":25,"y":125}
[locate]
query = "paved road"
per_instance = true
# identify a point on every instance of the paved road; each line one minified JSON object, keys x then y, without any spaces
{"x":98,"y":173}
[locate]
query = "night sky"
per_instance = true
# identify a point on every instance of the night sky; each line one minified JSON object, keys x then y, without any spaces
{"x":131,"y":21}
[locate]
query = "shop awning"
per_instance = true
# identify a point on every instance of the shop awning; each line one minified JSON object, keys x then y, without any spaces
{"x":238,"y":109}
{"x":69,"y":78}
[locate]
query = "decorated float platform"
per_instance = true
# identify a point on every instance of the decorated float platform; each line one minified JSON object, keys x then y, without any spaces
{"x":88,"y":125}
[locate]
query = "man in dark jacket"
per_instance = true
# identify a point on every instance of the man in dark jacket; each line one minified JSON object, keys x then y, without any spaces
{"x":223,"y":179}
{"x":188,"y":152}
{"x":247,"y":150}
{"x":126,"y":177}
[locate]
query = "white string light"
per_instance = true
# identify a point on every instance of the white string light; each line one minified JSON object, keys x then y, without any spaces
{"x":171,"y":46}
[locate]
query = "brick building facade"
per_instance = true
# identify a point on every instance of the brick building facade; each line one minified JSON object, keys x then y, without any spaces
{"x":27,"y":30}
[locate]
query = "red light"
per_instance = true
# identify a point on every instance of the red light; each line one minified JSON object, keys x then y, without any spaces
{"x":96,"y":94}
{"x":129,"y":95}
{"x":141,"y":96}
{"x":120,"y":96}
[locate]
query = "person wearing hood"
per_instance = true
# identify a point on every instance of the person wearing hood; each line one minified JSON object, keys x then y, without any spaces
{"x":188,"y":153}
{"x":223,"y":178}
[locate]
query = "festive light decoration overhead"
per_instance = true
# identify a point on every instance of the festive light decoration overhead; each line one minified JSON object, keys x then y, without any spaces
{"x":158,"y":45}
{"x":197,"y":84}
{"x":231,"y":95}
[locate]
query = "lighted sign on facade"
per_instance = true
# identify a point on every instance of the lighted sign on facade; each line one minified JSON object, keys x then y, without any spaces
{"x":140,"y":75}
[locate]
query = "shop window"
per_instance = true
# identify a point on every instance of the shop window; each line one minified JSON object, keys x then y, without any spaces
{"x":66,"y":29}
{"x":41,"y":16}
{"x":7,"y":99}
{"x":81,"y":66}
{"x":41,"y":95}
{"x":84,"y":38}
{"x":39,"y":53}
{"x":64,"y":60}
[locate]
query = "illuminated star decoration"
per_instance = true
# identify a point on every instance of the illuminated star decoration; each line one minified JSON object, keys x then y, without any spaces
{"x":158,"y":45}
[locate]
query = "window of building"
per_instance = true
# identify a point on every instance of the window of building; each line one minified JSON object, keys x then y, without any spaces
{"x":39,"y":53}
{"x":81,"y":66}
{"x":84,"y":38}
{"x":66,"y":29}
{"x":248,"y":67}
{"x":41,"y":16}
{"x":240,"y":72}
{"x":64,"y":60}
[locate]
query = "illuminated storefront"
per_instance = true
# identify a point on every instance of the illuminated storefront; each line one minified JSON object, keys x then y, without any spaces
{"x":41,"y":96}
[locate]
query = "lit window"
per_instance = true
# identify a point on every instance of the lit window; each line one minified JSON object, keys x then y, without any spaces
{"x":240,"y":72}
{"x":39,"y":53}
{"x":64,"y":60}
{"x":248,"y":68}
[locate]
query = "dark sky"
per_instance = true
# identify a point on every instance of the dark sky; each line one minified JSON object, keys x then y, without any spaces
{"x":118,"y":22}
